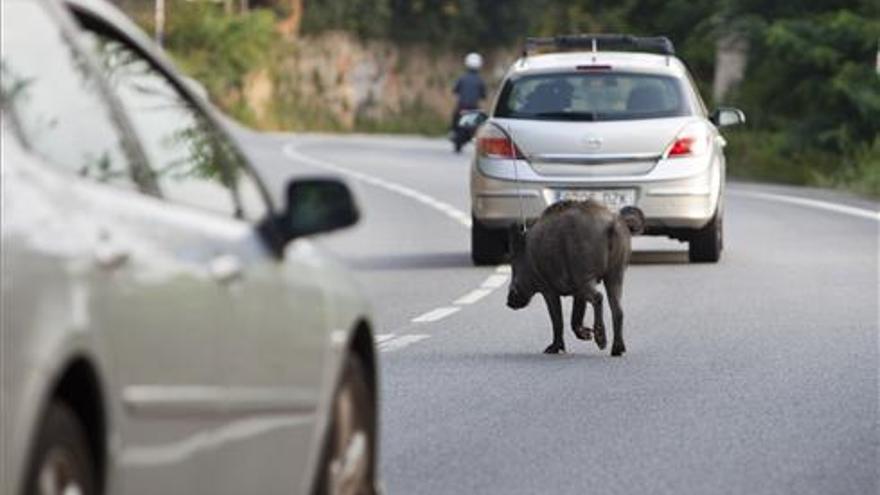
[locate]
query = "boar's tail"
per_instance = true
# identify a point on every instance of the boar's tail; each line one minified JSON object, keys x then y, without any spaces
{"x":611,"y":233}
{"x":610,"y":229}
{"x":633,"y":218}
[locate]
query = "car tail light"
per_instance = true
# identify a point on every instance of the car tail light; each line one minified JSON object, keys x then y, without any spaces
{"x":681,"y":147}
{"x":593,"y":67}
{"x":693,"y":140}
{"x":493,"y":143}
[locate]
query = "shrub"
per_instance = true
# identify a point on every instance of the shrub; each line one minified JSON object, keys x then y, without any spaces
{"x":220,"y":50}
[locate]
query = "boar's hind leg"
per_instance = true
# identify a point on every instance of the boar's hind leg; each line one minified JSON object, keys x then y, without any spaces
{"x":598,"y":323}
{"x":554,"y":307}
{"x":614,"y":288}
{"x":577,"y":318}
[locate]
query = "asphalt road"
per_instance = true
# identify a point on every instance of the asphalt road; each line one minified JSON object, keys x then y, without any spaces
{"x":755,"y":375}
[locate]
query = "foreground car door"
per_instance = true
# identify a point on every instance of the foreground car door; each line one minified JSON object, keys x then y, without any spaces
{"x":273,"y":363}
{"x":272,"y":335}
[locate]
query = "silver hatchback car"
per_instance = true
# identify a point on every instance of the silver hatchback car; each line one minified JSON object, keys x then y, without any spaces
{"x":165,"y":329}
{"x":626,"y":128}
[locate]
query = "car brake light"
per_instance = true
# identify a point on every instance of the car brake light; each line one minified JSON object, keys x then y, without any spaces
{"x":693,"y":140}
{"x":681,"y":147}
{"x":493,"y":143}
{"x":593,"y":67}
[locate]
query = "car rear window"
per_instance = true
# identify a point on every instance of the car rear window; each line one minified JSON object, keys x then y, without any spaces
{"x":592,"y":97}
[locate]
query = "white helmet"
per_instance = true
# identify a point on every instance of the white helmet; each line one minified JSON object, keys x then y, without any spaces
{"x":473,"y":61}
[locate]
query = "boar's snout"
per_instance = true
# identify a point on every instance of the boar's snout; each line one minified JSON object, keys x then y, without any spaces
{"x":515,"y":300}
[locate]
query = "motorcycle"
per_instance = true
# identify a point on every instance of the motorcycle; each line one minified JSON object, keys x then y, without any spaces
{"x":466,"y":126}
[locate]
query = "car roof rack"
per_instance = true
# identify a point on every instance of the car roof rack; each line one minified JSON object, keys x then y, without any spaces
{"x":595,"y":42}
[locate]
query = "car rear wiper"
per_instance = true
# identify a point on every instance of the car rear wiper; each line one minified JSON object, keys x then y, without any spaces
{"x":578,"y":116}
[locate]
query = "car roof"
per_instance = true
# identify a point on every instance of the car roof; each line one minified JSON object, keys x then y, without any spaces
{"x":619,"y":61}
{"x":110,"y":14}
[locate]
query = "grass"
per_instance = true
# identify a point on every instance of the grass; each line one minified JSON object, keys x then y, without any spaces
{"x":414,"y":117}
{"x":767,"y":157}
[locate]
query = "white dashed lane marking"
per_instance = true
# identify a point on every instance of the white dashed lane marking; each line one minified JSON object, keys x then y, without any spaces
{"x":472,"y":296}
{"x":495,"y":281}
{"x":395,"y":343}
{"x":435,"y":314}
{"x":387,"y":342}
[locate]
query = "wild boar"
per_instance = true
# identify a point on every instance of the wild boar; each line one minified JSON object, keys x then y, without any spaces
{"x":572,"y":247}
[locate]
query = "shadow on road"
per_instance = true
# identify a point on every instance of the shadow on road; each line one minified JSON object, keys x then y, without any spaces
{"x":659,"y":257}
{"x":414,"y":261}
{"x":430,"y":261}
{"x":577,"y":354}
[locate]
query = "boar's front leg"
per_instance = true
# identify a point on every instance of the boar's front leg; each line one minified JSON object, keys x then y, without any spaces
{"x":554,"y":307}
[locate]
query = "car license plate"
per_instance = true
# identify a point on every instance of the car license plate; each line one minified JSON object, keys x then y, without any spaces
{"x":614,"y":199}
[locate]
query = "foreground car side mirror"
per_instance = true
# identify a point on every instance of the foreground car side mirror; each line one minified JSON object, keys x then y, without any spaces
{"x":316,"y":205}
{"x":471,"y":119}
{"x":727,"y":116}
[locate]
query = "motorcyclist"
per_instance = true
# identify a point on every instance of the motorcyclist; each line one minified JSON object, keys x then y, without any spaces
{"x":470,"y":89}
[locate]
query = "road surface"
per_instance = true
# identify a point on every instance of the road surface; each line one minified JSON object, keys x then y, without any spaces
{"x":755,"y":375}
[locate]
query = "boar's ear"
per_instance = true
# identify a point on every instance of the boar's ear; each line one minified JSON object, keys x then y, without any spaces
{"x":633,"y":218}
{"x":517,"y":239}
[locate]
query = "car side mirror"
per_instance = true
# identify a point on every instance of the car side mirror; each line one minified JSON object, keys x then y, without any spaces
{"x":471,"y":119}
{"x":727,"y":116}
{"x":316,"y":205}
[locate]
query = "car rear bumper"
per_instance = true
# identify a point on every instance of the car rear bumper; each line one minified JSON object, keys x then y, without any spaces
{"x":669,"y":201}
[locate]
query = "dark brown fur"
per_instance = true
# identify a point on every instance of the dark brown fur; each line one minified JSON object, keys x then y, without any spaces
{"x":572,"y":247}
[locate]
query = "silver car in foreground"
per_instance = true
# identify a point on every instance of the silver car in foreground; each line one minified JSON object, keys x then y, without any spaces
{"x":165,"y":329}
{"x":623,"y":128}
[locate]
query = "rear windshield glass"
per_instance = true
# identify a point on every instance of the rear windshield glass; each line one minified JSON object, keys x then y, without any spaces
{"x":592,"y":97}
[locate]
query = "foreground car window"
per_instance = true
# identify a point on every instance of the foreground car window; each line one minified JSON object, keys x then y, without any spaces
{"x":592,"y":97}
{"x":192,"y":166}
{"x":54,"y":101}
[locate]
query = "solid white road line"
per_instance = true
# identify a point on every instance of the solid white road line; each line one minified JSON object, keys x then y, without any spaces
{"x":445,"y":208}
{"x":398,"y":343}
{"x":382,"y":337}
{"x":811,"y":203}
{"x":435,"y":314}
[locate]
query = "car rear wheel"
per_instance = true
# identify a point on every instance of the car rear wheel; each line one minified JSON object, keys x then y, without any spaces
{"x":488,"y":246}
{"x":62,"y":462}
{"x":706,"y":244}
{"x":348,"y":467}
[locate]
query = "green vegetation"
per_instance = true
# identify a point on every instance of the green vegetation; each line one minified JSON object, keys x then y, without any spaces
{"x":814,"y":100}
{"x":810,"y":90}
{"x":221,"y":50}
{"x":414,"y":117}
{"x":218,"y":49}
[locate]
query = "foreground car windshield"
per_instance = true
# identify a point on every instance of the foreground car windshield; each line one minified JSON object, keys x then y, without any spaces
{"x":592,"y":97}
